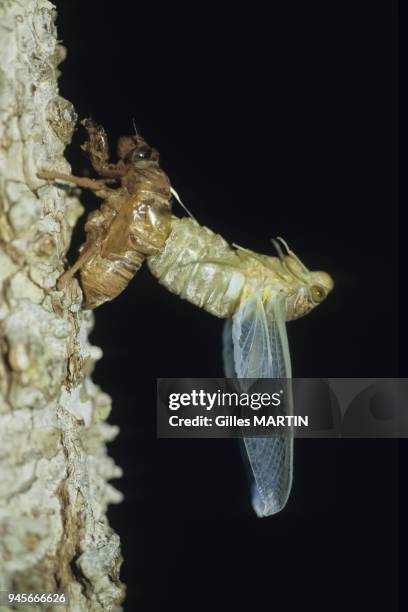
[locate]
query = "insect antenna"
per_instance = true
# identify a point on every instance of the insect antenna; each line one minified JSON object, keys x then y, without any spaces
{"x":177,"y":197}
{"x":135,"y":128}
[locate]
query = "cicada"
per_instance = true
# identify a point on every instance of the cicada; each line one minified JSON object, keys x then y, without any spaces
{"x":257,"y":294}
{"x":134,"y":220}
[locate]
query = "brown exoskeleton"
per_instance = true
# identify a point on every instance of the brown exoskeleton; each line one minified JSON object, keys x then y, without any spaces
{"x":133,"y":221}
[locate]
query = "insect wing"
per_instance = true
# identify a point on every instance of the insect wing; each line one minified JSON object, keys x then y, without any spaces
{"x":228,"y":350}
{"x":260,"y":350}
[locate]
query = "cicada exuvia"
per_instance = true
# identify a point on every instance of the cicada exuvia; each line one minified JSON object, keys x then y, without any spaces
{"x":133,"y":221}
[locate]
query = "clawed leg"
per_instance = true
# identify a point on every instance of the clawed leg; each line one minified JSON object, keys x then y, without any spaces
{"x":80,"y":263}
{"x":81,"y":181}
{"x":97,"y":148}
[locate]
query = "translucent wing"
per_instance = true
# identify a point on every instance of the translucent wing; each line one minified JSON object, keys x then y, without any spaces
{"x":256,"y":346}
{"x":228,"y":350}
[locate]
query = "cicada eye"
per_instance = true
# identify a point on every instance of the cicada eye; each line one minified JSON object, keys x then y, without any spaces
{"x":318,"y":294}
{"x":140,"y":152}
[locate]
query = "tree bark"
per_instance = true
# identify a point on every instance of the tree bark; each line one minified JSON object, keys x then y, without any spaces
{"x":54,"y":493}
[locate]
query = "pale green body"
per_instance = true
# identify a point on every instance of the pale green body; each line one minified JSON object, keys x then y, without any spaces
{"x":201,"y":267}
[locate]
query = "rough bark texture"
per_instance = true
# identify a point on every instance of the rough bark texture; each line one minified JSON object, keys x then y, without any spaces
{"x":54,"y":467}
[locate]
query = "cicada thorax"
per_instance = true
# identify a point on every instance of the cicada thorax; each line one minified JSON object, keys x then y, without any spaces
{"x":139,"y":228}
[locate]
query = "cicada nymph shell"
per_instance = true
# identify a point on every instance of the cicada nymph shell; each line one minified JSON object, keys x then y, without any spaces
{"x":134,"y":220}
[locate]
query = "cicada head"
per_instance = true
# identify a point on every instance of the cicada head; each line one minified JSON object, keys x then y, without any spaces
{"x":308,"y":288}
{"x":134,"y":149}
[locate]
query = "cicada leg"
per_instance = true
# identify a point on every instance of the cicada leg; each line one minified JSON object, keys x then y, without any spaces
{"x":80,"y":263}
{"x":97,"y":149}
{"x":80,"y":181}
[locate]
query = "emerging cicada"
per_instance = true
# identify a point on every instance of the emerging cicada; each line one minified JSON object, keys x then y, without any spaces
{"x":134,"y":220}
{"x":257,"y":294}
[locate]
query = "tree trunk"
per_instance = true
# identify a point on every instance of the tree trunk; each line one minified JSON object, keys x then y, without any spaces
{"x":54,"y":533}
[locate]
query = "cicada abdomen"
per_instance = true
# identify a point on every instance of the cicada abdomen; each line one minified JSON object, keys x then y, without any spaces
{"x":134,"y":220}
{"x":199,"y":266}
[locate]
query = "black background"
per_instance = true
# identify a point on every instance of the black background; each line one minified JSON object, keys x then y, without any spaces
{"x":269,"y":122}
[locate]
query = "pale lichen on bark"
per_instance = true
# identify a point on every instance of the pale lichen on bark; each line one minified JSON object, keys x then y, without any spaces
{"x":54,"y":466}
